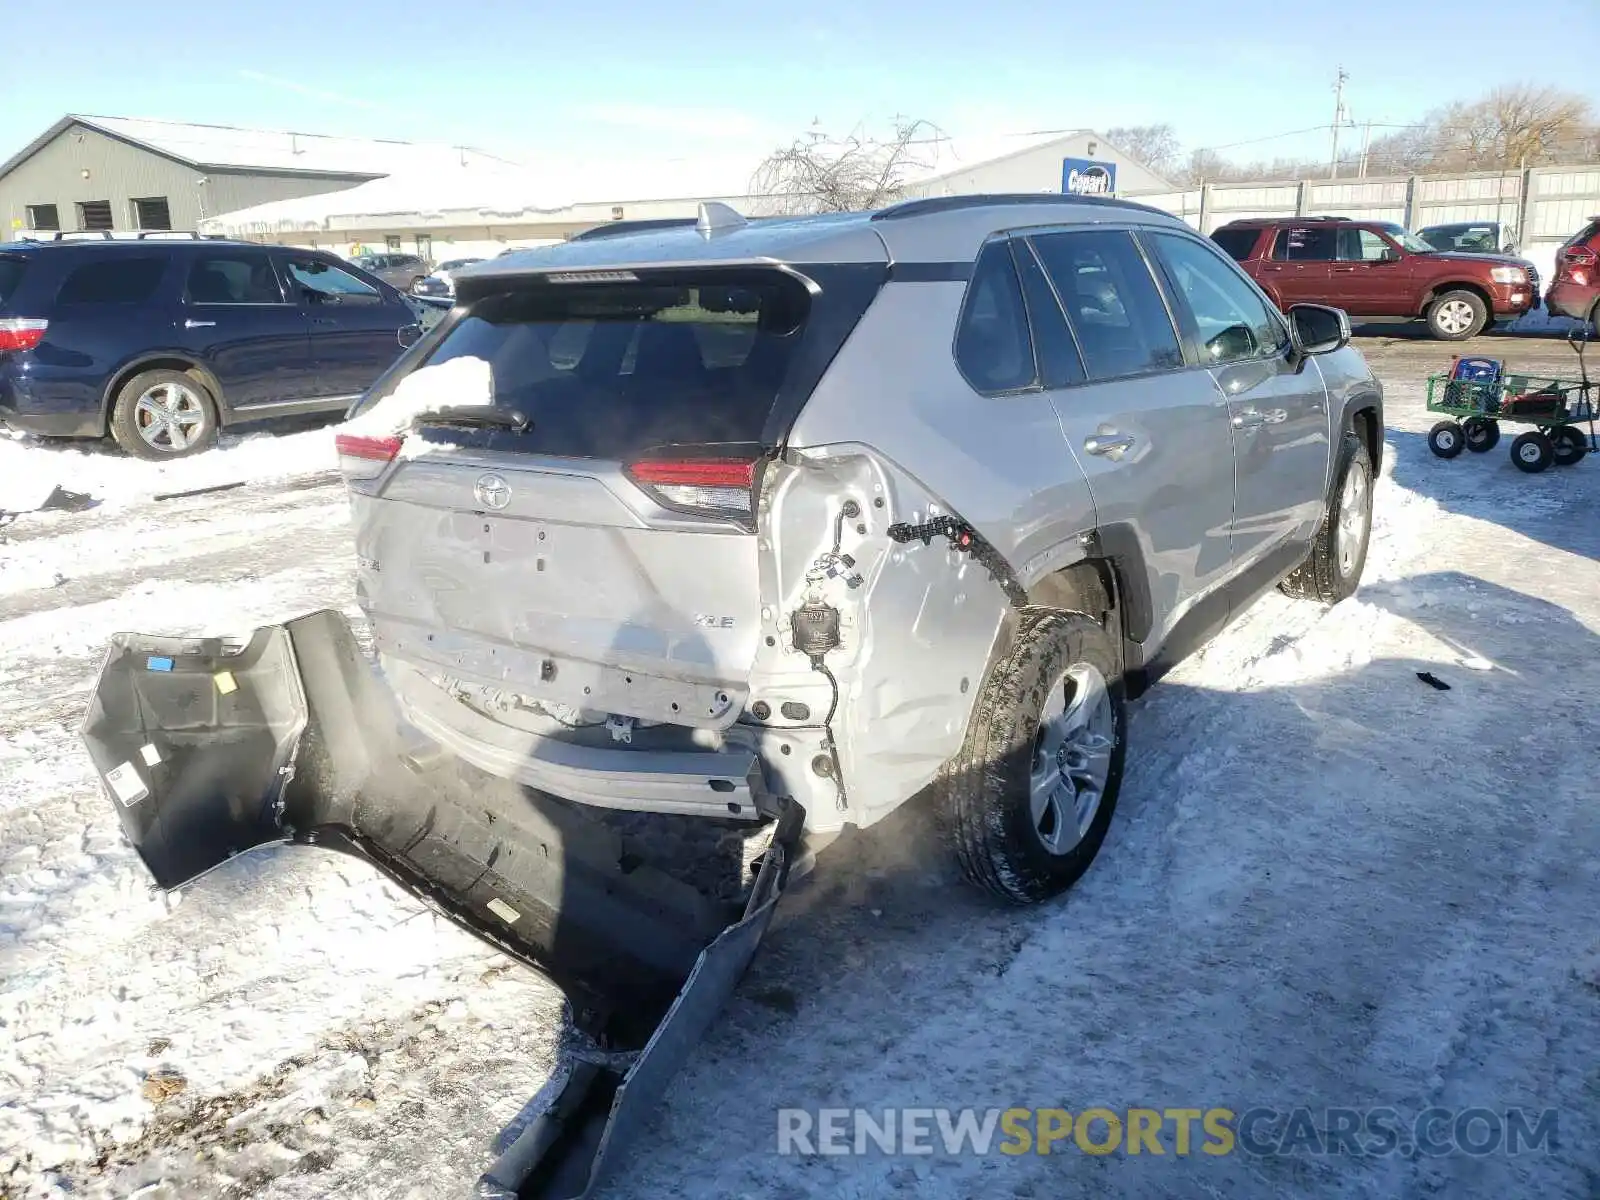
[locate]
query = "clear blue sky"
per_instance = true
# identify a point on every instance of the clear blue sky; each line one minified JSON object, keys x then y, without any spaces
{"x":628,"y":77}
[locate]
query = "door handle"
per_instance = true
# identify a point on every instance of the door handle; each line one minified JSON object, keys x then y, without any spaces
{"x":322,"y":320}
{"x":191,"y":323}
{"x":1344,"y":270}
{"x":1108,"y":444}
{"x":1249,"y":419}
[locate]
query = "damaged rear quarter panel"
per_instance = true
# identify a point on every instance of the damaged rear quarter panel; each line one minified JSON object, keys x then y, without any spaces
{"x":894,"y":421}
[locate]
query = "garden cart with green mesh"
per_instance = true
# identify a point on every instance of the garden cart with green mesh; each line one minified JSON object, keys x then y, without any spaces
{"x":1479,"y":395}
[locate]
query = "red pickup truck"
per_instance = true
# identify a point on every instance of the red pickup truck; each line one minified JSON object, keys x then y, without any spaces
{"x":1377,"y":269}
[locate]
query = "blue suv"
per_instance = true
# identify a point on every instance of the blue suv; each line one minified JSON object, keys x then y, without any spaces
{"x":160,"y":342}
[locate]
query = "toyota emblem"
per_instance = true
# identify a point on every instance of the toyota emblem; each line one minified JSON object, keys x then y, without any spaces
{"x":492,"y":491}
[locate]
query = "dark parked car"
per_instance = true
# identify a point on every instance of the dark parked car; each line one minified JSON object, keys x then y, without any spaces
{"x":1377,"y":269}
{"x":161,"y":343}
{"x":1575,"y":291}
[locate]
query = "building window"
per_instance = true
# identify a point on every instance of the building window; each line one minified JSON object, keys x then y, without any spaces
{"x":392,"y":241}
{"x":152,"y":213}
{"x":95,"y":215}
{"x":43,"y":216}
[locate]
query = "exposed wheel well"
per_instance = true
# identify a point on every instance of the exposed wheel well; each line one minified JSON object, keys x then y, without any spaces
{"x":1364,"y":422}
{"x":169,"y":363}
{"x":1089,"y":587}
{"x":1475,"y":288}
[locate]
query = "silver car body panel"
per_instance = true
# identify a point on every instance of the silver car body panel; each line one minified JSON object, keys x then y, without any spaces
{"x":665,"y":639}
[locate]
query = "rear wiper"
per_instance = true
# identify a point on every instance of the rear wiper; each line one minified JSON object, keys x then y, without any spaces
{"x":474,"y":416}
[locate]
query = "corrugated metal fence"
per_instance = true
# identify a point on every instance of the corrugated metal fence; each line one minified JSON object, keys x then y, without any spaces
{"x":1544,"y":205}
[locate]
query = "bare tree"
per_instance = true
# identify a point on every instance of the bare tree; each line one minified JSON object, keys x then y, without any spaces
{"x":1510,"y":128}
{"x":815,"y":174}
{"x":1156,"y":146}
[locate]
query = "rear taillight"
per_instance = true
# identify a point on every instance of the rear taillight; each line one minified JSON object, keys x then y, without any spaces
{"x":21,"y":333}
{"x":365,"y":457}
{"x":714,"y":486}
{"x":1577,"y":265}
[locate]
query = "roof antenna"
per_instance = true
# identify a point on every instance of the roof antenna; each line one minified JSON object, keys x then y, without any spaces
{"x":716,"y":217}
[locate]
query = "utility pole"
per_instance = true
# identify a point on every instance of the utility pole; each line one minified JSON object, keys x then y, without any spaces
{"x":1366,"y":143}
{"x":1338,"y":120}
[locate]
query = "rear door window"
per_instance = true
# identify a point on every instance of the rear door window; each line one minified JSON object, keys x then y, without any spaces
{"x":1313,"y":243}
{"x":1237,"y":243}
{"x":1112,"y":303}
{"x":606,"y":370}
{"x":122,"y":279}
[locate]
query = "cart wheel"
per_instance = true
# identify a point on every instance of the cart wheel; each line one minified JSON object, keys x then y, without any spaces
{"x":1481,"y":434}
{"x":1446,"y":439}
{"x":1532,"y":451}
{"x":1570,"y":443}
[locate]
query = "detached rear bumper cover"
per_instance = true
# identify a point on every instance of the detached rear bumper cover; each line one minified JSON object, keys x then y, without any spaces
{"x":209,"y":750}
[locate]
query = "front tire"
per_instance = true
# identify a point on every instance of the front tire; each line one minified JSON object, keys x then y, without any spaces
{"x":1457,"y":316}
{"x":161,"y":415}
{"x":1028,"y":800}
{"x":1447,"y":439}
{"x":1339,"y":552}
{"x":1532,"y":452}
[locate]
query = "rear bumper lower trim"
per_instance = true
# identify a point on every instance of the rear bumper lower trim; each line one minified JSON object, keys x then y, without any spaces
{"x":709,"y":783}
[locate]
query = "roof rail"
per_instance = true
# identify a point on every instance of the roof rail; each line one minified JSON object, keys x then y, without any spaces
{"x":622,"y":228}
{"x":109,"y":235}
{"x":938,"y":204}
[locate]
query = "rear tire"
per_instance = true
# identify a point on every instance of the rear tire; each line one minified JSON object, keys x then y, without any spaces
{"x":162,"y":415}
{"x":1481,"y":434}
{"x":1029,"y":798}
{"x":1447,"y":439}
{"x":1339,"y":552}
{"x":1569,"y":445}
{"x":1457,"y":316}
{"x":1532,"y":452}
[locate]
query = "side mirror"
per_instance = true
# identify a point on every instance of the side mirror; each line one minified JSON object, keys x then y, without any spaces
{"x":1317,"y":329}
{"x":1390,"y":254}
{"x":408,"y":335}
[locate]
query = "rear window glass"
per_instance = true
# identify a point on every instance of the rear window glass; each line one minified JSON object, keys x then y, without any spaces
{"x":606,"y":370}
{"x":119,"y":280}
{"x":1237,"y":243}
{"x":1583,"y":236}
{"x":11,"y":271}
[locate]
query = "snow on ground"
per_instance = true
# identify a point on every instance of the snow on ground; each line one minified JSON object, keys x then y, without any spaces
{"x":31,"y":467}
{"x":1327,"y":884}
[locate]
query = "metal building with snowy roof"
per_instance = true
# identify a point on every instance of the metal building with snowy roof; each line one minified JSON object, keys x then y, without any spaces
{"x":121,"y":173}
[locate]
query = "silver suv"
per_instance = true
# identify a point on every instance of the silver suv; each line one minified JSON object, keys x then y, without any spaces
{"x":701,"y":520}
